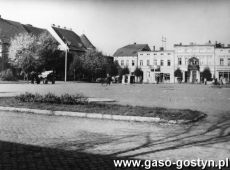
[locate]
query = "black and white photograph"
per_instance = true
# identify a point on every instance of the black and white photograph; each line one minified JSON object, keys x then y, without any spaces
{"x":114,"y":84}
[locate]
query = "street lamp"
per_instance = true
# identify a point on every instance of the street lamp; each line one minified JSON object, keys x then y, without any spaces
{"x":66,"y":54}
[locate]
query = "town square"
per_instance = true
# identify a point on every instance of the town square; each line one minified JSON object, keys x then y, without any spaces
{"x":114,"y":84}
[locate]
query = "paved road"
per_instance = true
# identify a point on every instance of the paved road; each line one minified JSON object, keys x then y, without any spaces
{"x":185,"y":96}
{"x":30,"y":141}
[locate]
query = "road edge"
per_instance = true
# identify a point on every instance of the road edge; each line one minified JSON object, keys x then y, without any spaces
{"x":100,"y":116}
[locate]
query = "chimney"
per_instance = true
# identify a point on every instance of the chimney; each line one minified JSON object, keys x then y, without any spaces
{"x":135,"y":43}
{"x":154,"y":48}
{"x":64,"y":27}
{"x":161,"y":48}
{"x":58,"y":26}
{"x":228,"y":45}
{"x":53,"y":25}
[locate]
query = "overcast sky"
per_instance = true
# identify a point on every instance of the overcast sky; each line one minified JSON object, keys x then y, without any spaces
{"x":112,"y":24}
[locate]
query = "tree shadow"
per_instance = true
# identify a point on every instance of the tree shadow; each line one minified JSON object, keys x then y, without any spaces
{"x":15,"y":156}
{"x":193,"y":135}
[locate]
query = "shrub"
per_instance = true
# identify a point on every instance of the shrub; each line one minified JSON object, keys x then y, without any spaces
{"x":7,"y":75}
{"x":51,"y":98}
{"x":27,"y":97}
{"x":73,"y":99}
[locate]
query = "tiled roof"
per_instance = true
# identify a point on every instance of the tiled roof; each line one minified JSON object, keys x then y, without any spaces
{"x":34,"y":30}
{"x":71,"y":38}
{"x":131,"y":50}
{"x":8,"y":29}
{"x":86,"y":42}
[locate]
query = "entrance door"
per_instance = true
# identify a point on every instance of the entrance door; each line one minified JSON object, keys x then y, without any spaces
{"x":193,"y":76}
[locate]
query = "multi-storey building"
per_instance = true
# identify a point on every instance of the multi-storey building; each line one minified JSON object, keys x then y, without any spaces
{"x":192,"y":59}
{"x":157,"y":66}
{"x":127,"y":55}
{"x":222,"y":63}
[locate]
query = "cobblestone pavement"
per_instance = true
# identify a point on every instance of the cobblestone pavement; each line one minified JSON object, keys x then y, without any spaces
{"x":30,"y":141}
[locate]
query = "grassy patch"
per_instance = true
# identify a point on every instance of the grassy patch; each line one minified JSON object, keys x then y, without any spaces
{"x":163,"y":113}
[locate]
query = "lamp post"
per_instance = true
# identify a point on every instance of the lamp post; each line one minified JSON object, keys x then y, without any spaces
{"x":66,"y":54}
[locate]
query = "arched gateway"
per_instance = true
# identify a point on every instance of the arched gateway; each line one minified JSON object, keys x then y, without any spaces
{"x":193,"y":70}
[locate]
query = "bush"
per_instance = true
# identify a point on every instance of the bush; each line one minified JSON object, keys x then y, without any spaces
{"x":51,"y":98}
{"x":27,"y":97}
{"x":7,"y":75}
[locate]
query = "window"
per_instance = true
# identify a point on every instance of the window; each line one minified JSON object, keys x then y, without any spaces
{"x":122,"y":62}
{"x":127,"y":62}
{"x":179,"y":61}
{"x":141,"y":62}
{"x":162,"y":53}
{"x":169,"y":53}
{"x":148,"y":54}
{"x":228,"y":61}
{"x":141,"y":54}
{"x":221,"y":61}
{"x":148,"y":63}
{"x":169,"y":63}
{"x":133,"y":63}
{"x":155,"y":62}
{"x":162,"y":62}
{"x":186,"y":61}
{"x":155,"y":53}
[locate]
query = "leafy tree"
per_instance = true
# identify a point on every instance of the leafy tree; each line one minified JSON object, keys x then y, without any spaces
{"x":22,"y":52}
{"x":178,"y":73}
{"x":47,"y":51}
{"x":207,"y":74}
{"x":138,"y":72}
{"x":76,"y":68}
{"x":124,"y":71}
{"x":113,"y":68}
{"x":93,"y":64}
{"x":30,"y":53}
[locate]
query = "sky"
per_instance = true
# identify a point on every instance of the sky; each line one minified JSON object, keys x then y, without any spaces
{"x":110,"y":25}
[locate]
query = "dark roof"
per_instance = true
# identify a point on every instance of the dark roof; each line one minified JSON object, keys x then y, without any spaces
{"x":86,"y":42}
{"x":71,"y":38}
{"x":34,"y":30}
{"x":131,"y":50}
{"x":8,"y":29}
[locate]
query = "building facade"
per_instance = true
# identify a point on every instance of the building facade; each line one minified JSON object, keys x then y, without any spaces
{"x":192,"y":60}
{"x":157,"y":66}
{"x":127,"y":56}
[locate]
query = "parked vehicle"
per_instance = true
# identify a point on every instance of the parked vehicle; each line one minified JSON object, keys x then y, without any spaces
{"x":47,"y":76}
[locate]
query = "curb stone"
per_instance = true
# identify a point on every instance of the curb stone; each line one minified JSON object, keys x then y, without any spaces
{"x":101,"y":116}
